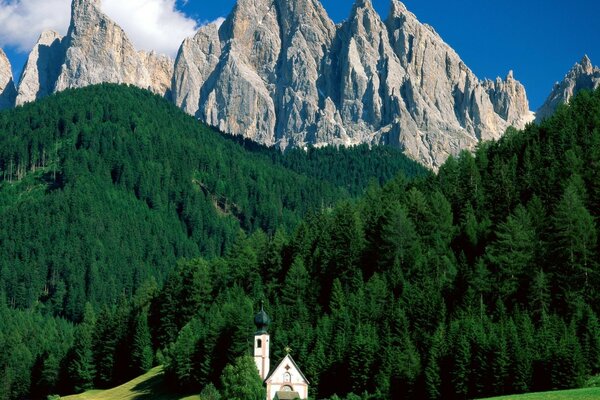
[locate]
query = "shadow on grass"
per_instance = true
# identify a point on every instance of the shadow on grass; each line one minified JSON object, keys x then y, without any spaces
{"x":154,"y":388}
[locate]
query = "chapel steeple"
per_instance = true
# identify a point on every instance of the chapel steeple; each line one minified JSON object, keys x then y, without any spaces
{"x":262,"y":343}
{"x":261,"y":320}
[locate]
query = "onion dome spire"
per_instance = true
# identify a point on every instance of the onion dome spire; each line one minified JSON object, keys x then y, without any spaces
{"x":261,"y":320}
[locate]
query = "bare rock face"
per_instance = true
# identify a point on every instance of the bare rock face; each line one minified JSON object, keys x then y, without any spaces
{"x":197,"y":59}
{"x":160,"y":69}
{"x":237,"y":96}
{"x":7,"y":87}
{"x":509,"y":100}
{"x":259,"y":74}
{"x":369,"y":74}
{"x":98,"y":51}
{"x":237,"y":100}
{"x":583,"y":75}
{"x":281,"y":73}
{"x":95,"y":50}
{"x":306,"y":34}
{"x":452,"y":108}
{"x":42,"y":68}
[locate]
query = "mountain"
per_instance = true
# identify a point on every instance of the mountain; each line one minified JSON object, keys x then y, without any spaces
{"x":281,"y":73}
{"x":7,"y":85}
{"x":42,"y":69}
{"x":95,"y":50}
{"x":582,"y":76}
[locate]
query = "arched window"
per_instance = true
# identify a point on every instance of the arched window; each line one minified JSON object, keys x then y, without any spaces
{"x":258,"y":343}
{"x":287,"y":388}
{"x":287,"y":377}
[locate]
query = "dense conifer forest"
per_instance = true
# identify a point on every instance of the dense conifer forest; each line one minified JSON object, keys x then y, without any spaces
{"x":480,"y":280}
{"x":103,"y":189}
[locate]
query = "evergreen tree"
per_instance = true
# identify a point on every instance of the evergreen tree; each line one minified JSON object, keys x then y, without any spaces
{"x":513,"y":252}
{"x":142,"y":355}
{"x":433,"y":380}
{"x":81,"y":367}
{"x":574,"y":241}
{"x":240,"y":381}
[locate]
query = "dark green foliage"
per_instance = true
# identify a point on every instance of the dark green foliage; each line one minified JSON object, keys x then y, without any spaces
{"x":142,"y":354}
{"x":240,"y":380}
{"x":472,"y":283}
{"x":476,"y":282}
{"x":111,"y":178}
{"x":81,"y":365}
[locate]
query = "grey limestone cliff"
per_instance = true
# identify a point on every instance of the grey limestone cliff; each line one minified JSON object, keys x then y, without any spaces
{"x":41,"y":71}
{"x":98,"y":51}
{"x":7,"y":86}
{"x":95,"y":50}
{"x":281,"y":73}
{"x":583,"y":75}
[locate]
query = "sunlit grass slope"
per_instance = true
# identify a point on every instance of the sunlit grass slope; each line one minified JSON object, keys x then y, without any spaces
{"x":145,"y":387}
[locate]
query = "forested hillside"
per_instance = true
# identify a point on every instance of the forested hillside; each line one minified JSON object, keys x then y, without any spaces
{"x":103,"y":189}
{"x":479,"y":281}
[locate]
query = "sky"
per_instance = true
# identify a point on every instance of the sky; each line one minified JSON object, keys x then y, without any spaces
{"x":539,"y":40}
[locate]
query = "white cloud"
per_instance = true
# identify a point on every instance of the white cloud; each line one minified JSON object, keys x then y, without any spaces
{"x":22,"y":21}
{"x":218,"y":22}
{"x":150,"y":24}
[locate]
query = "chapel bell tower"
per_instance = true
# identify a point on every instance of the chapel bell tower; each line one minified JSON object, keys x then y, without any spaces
{"x":261,"y":343}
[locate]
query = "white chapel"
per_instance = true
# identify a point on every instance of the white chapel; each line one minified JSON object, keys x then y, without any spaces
{"x":286,"y":381}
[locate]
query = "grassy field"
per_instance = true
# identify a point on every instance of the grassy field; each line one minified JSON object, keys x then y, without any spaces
{"x":146,"y":387}
{"x":579,"y":394}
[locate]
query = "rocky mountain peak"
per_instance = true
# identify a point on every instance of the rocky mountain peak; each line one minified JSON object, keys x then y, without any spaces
{"x":397,"y":8}
{"x":282,"y":73}
{"x":98,"y":50}
{"x":83,"y":13}
{"x":583,"y":75}
{"x":7,"y":86}
{"x":41,"y":71}
{"x":48,"y":37}
{"x":586,"y":64}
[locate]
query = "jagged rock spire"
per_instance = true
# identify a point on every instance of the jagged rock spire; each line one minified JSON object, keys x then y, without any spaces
{"x":41,"y":71}
{"x":583,"y":75}
{"x":7,"y":86}
{"x":281,"y":72}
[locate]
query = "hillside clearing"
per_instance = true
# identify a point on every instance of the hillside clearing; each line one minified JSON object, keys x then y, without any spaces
{"x":145,"y":387}
{"x":577,"y":394}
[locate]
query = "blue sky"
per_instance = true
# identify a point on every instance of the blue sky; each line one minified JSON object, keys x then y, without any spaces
{"x":539,"y":39}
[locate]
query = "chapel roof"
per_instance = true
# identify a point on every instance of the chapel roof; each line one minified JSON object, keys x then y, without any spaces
{"x":291,"y":360}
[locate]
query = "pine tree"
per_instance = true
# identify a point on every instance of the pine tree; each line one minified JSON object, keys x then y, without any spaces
{"x":513,"y":252}
{"x":180,"y":356}
{"x":574,"y":241}
{"x":433,"y":379}
{"x":81,"y":366}
{"x":142,"y":355}
{"x":462,"y":365}
{"x":363,"y":350}
{"x":241,"y":381}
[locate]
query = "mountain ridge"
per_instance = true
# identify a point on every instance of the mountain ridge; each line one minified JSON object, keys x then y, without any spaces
{"x":283,"y":74}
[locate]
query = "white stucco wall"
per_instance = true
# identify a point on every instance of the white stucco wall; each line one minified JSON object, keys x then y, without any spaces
{"x":286,"y":374}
